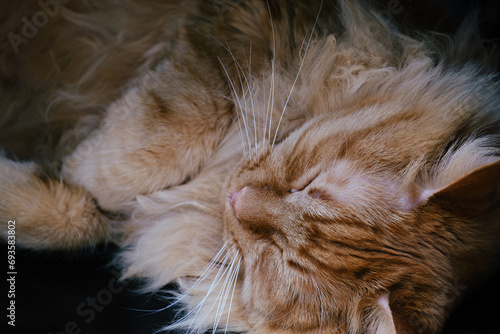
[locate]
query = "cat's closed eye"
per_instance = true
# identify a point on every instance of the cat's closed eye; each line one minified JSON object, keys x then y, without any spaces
{"x":319,"y":194}
{"x":302,"y":185}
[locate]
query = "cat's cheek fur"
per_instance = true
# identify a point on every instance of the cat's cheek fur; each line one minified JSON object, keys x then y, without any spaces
{"x":276,"y":300}
{"x":267,"y":297}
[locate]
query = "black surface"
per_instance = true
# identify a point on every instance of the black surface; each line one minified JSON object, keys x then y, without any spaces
{"x":80,"y":292}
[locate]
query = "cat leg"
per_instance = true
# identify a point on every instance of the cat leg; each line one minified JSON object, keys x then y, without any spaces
{"x":159,"y":134}
{"x":47,"y":213}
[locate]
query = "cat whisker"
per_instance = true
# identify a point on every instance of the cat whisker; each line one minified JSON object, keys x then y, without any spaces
{"x":203,"y":275}
{"x":249,"y":65}
{"x":238,"y":104}
{"x":271,"y":100}
{"x":211,"y":266}
{"x":224,"y":270}
{"x":197,"y":280}
{"x":224,"y":293}
{"x":249,"y":87}
{"x":240,"y":133}
{"x":298,"y":73}
{"x":239,"y":69}
{"x":270,"y":106}
{"x":247,"y":121}
{"x":244,"y":111}
{"x":321,"y":303}
{"x":264,"y":123}
{"x":235,"y":280}
{"x":286,"y":314}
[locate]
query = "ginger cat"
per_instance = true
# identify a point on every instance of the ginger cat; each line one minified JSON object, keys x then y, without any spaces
{"x":294,"y":166}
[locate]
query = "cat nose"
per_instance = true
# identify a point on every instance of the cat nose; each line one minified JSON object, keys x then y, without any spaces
{"x":233,"y":198}
{"x":246,"y":203}
{"x":236,"y":201}
{"x":251,"y":205}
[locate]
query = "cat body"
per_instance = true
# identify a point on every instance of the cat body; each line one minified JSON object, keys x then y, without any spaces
{"x":295,"y":167}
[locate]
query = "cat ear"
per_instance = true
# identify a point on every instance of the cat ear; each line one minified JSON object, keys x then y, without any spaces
{"x":469,"y":177}
{"x":476,"y":188}
{"x":385,"y":321}
{"x":385,"y":318}
{"x":393,"y":318}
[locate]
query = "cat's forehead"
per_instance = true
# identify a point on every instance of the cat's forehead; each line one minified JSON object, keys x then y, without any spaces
{"x":316,"y":142}
{"x":317,"y":147}
{"x":318,"y":150}
{"x":382,"y":136}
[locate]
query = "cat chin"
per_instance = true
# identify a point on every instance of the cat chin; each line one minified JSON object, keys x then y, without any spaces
{"x":373,"y":316}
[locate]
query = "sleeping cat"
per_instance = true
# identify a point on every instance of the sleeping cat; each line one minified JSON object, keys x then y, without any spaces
{"x":294,"y":166}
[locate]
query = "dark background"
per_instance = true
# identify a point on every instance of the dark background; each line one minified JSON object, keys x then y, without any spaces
{"x":58,"y":292}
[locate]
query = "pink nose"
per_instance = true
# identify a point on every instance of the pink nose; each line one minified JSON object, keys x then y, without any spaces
{"x":235,"y":199}
{"x":253,"y":205}
{"x":250,"y":205}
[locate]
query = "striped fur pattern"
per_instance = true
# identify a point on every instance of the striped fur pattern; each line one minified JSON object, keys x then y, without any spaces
{"x":294,"y":166}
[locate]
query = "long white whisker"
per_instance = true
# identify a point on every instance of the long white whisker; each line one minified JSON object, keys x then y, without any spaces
{"x":249,"y":81}
{"x":321,"y":304}
{"x":244,"y":112}
{"x":213,"y":263}
{"x":218,"y":278}
{"x":223,"y":295}
{"x":238,"y":68}
{"x":235,"y":281}
{"x":271,"y":99}
{"x":236,"y":97}
{"x":240,"y":133}
{"x":251,"y":97}
{"x":298,"y":73}
{"x":271,"y":96}
{"x":203,"y":275}
{"x":215,"y":283}
{"x":265,"y":119}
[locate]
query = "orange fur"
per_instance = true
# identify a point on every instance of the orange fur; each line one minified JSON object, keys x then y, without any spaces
{"x":330,"y":173}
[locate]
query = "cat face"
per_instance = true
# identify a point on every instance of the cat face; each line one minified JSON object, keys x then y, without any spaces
{"x":297,"y":213}
{"x":331,"y":239}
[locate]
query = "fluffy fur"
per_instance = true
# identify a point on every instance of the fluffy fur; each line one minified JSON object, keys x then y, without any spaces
{"x":294,"y":166}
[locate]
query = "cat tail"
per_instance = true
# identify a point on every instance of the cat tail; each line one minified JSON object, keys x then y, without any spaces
{"x":46,"y":213}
